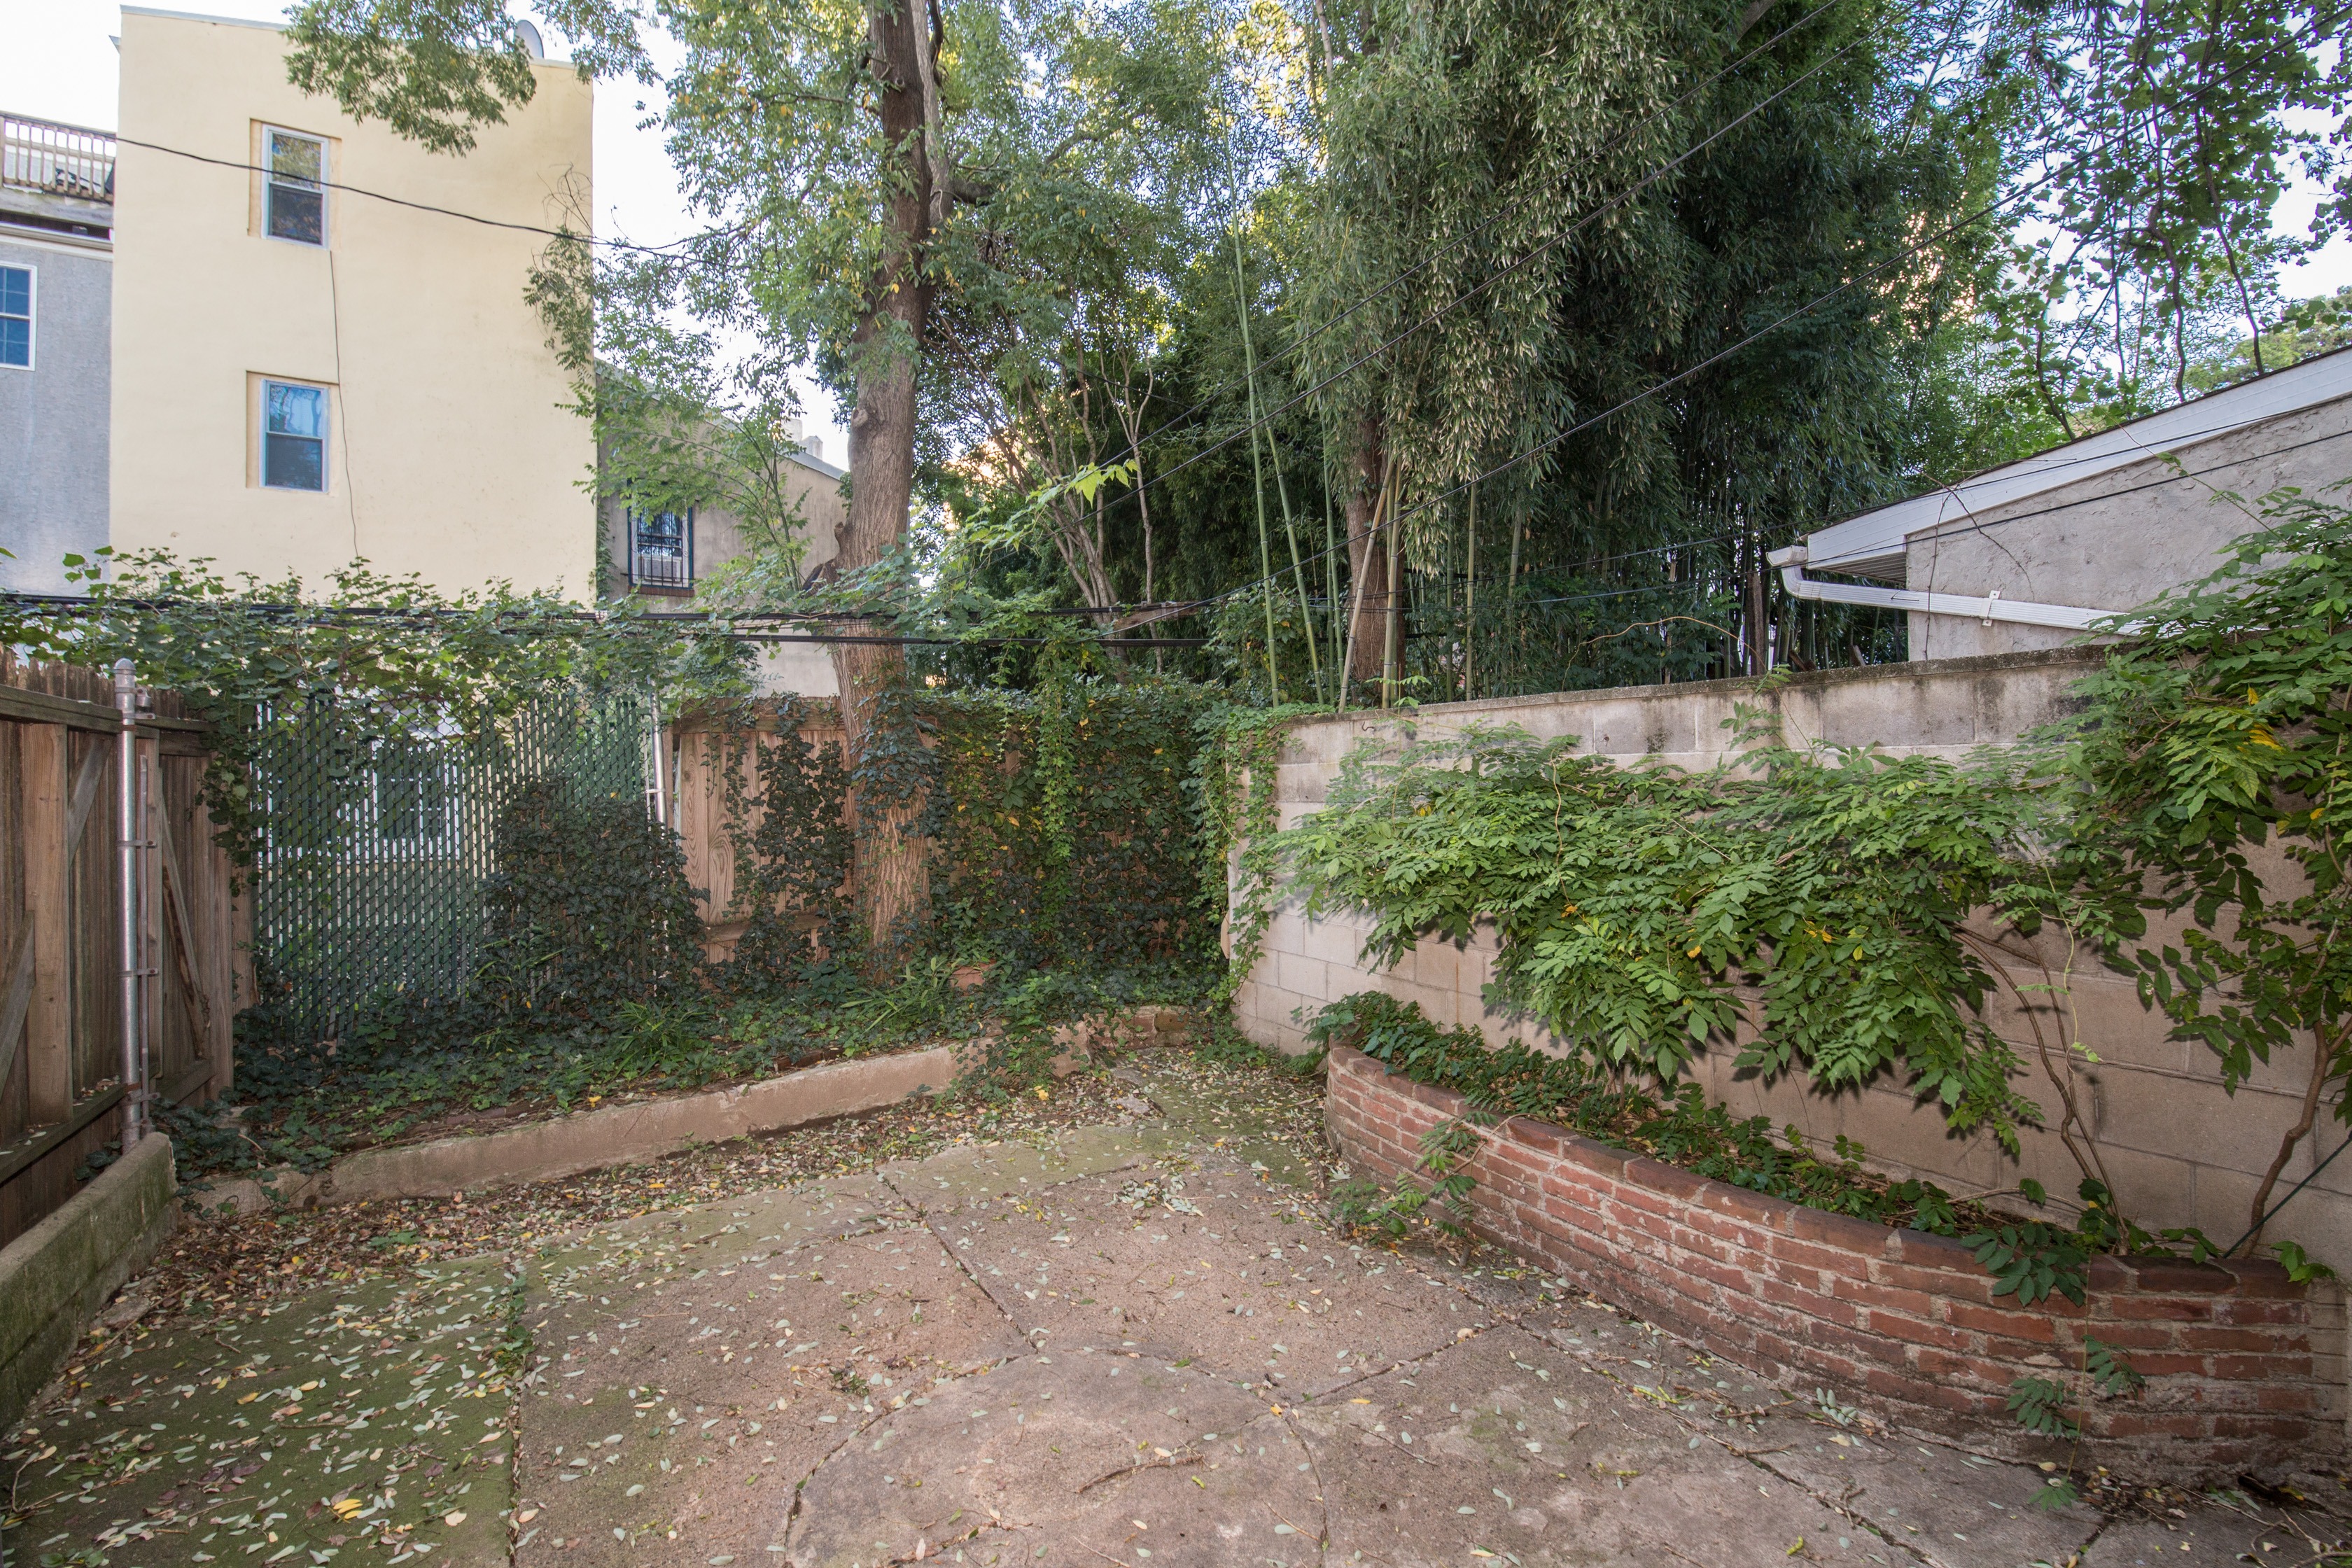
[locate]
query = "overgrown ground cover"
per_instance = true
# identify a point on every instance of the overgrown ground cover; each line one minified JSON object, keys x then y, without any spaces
{"x":1680,"y":1127}
{"x":1838,"y":909}
{"x":303,"y":1102}
{"x":207,"y":1427}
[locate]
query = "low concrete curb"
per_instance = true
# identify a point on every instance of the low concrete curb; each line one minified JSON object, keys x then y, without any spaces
{"x":595,"y":1139}
{"x":647,"y":1130}
{"x":55,"y":1276}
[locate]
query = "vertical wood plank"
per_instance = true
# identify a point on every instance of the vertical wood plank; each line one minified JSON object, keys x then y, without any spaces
{"x":157,"y":983}
{"x":48,"y":900}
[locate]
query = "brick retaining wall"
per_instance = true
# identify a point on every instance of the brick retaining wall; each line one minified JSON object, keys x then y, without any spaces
{"x":2245,"y":1369}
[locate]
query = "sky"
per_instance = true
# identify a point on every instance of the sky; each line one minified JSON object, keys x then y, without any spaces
{"x":60,"y":65}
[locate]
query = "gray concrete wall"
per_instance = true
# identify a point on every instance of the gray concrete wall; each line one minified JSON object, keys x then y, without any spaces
{"x":54,"y":416}
{"x":2181,"y":1150}
{"x":55,"y":1276}
{"x":2118,"y":540}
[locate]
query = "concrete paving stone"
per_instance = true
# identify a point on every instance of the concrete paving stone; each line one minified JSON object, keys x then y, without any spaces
{"x":1502,"y":1443}
{"x":1187,"y":1258}
{"x":1051,"y":1455}
{"x":370,"y":1420}
{"x":1248,"y":1133}
{"x":737,"y":1232}
{"x":2209,"y":1536}
{"x":1009,"y":1170}
{"x":1949,"y":1509}
{"x":699,"y":1399}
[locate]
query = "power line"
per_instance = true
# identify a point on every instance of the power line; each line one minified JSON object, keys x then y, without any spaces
{"x":1670,"y":381}
{"x":1973,"y":527}
{"x":665,"y":251}
{"x":1667,"y":382}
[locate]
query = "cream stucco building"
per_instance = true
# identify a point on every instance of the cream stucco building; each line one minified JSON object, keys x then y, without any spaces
{"x":304,"y":372}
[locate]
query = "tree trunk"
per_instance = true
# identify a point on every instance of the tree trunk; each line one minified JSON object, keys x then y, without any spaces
{"x":1367,"y":563}
{"x":891,"y":878}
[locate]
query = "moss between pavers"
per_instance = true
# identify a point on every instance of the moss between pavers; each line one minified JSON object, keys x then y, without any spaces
{"x":373,"y":1424}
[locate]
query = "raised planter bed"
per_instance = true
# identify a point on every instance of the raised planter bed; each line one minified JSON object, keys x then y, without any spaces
{"x":638,"y":1130}
{"x":2245,"y":1369}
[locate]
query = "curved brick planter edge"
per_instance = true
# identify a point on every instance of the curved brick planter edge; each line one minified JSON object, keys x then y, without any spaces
{"x":2245,"y":1369}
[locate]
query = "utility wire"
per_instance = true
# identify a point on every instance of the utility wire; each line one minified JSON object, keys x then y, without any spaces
{"x":1668,"y":382}
{"x":666,"y":251}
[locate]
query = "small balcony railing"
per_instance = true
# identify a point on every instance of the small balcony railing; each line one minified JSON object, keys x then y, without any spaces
{"x":657,"y":568}
{"x":57,"y":160}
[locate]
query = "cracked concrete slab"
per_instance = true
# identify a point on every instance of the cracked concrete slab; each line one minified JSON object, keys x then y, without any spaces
{"x":1139,"y":1345}
{"x":672,"y":1411}
{"x":1503,"y":1444}
{"x":2213,"y":1536}
{"x":1948,"y":1508}
{"x":1197,"y":1257}
{"x":1053,"y":1455}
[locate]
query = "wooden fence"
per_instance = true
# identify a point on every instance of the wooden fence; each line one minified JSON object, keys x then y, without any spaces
{"x":61,"y":1013}
{"x":697,"y":808}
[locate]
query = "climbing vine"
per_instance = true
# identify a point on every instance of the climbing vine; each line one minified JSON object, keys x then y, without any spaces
{"x":1238,"y":806}
{"x":1055,"y":824}
{"x":402,"y":661}
{"x":786,"y":798}
{"x":1824,"y":905}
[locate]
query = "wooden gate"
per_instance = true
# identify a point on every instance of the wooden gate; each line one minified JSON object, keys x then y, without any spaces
{"x":61,"y":1013}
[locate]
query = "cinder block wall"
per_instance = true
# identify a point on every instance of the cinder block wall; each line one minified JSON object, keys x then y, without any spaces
{"x":2178,"y":1149}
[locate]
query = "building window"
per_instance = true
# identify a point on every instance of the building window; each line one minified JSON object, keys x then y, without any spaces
{"x":295,"y":165}
{"x":661,"y":549}
{"x":16,"y":317}
{"x":293,"y":435}
{"x":412,"y":798}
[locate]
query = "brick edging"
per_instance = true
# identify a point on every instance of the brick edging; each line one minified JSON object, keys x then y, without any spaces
{"x":2245,"y":1369}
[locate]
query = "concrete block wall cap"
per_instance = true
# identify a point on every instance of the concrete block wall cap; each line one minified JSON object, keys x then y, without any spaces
{"x":2059,"y":661}
{"x":55,"y":1276}
{"x":42,"y":1269}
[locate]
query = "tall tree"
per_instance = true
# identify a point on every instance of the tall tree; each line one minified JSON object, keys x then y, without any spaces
{"x":869,"y":172}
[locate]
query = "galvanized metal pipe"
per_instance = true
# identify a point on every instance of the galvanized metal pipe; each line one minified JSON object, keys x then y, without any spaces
{"x":127,"y":801}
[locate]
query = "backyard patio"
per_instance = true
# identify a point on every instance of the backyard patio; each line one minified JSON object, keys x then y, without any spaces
{"x":1118,"y":1330}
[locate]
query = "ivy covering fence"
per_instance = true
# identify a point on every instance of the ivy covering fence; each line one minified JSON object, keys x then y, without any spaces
{"x":1059,"y":822}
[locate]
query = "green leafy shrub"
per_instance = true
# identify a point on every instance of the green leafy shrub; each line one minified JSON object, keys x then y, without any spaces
{"x":1636,"y":905}
{"x":1680,"y":1128}
{"x":589,"y":909}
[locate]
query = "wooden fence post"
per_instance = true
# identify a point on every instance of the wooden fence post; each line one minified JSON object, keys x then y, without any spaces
{"x":48,"y":898}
